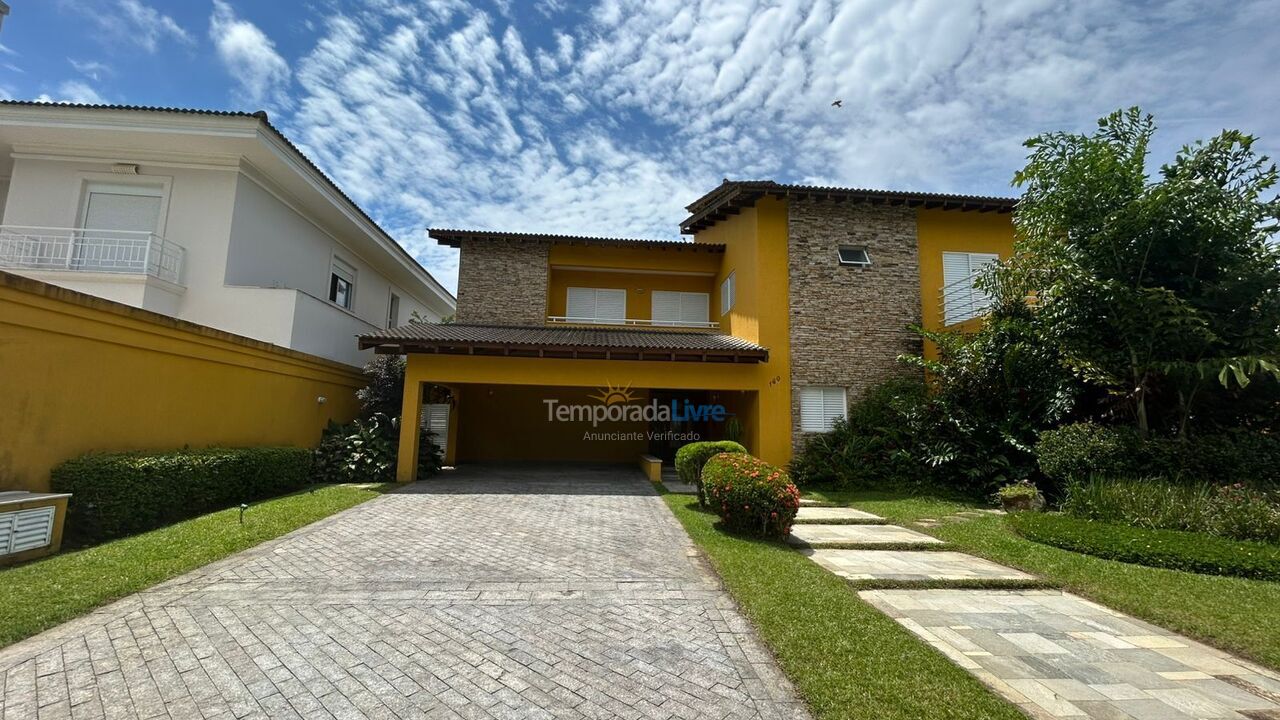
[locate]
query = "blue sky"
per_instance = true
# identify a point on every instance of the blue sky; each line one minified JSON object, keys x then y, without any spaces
{"x":609,"y":117}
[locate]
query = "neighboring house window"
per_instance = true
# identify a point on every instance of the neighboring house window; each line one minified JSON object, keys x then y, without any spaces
{"x":342,"y":284}
{"x":960,"y":299}
{"x":393,"y":311}
{"x":681,"y":308}
{"x":820,"y":406}
{"x":728,"y":293}
{"x":855,"y":255}
{"x":596,"y":305}
{"x":117,"y":221}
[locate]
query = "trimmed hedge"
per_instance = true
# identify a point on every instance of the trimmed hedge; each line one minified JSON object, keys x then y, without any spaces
{"x":1171,"y":549}
{"x":750,"y":495}
{"x":690,"y":459}
{"x":121,"y":494}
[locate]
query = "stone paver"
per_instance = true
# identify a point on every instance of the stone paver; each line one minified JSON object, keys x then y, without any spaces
{"x":834,"y":515}
{"x":912,"y":565}
{"x":494,"y":593}
{"x":820,"y":535}
{"x":1057,"y":655}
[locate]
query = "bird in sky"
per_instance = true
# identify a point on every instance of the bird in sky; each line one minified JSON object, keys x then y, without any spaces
{"x":838,"y":103}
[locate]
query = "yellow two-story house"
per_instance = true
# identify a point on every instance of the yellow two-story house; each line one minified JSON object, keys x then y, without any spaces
{"x":787,"y":303}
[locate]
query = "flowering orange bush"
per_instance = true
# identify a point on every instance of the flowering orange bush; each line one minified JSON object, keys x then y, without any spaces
{"x":750,"y":495}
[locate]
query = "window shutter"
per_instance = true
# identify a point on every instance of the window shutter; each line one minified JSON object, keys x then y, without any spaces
{"x":122,"y":211}
{"x":581,"y":303}
{"x":666,"y":307}
{"x":833,"y":406}
{"x":435,"y":419}
{"x":728,"y":294}
{"x":961,"y":300}
{"x":695,"y":307}
{"x":820,"y":406}
{"x":611,"y":305}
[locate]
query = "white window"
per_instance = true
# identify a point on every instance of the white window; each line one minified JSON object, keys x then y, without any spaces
{"x":960,"y":299}
{"x":342,"y":284}
{"x":596,"y":305}
{"x":117,"y":223}
{"x":681,"y":308}
{"x":855,"y":255}
{"x":393,"y":311}
{"x":728,"y":293}
{"x":435,"y":420}
{"x":820,"y":406}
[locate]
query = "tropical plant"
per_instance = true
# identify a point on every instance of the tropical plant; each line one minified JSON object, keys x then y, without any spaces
{"x":359,"y":451}
{"x":1159,"y":292}
{"x":385,"y":390}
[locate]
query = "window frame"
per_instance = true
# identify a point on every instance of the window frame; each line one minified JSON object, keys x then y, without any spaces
{"x":337,"y":269}
{"x":828,"y":420}
{"x":866,"y":253}
{"x":728,"y":292}
{"x":594,"y":318}
{"x":393,"y":310}
{"x":704,"y":299}
{"x":974,"y":309}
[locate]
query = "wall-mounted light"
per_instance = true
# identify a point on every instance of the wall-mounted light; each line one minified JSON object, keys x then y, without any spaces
{"x":321,"y":400}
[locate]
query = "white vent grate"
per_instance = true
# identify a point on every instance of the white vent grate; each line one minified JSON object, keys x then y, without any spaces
{"x":25,"y":530}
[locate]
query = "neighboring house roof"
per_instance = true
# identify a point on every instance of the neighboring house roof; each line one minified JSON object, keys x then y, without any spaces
{"x":589,"y":343}
{"x":261,"y":116}
{"x":454,"y":238}
{"x":732,"y":195}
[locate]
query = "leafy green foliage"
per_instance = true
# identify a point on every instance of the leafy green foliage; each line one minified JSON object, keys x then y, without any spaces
{"x":750,"y":495}
{"x":384,"y":394}
{"x":1080,"y":450}
{"x":120,"y":494}
{"x":359,"y":451}
{"x":1159,"y":292}
{"x":1233,"y":511}
{"x":1172,"y":549}
{"x":690,"y":459}
{"x":1018,"y":491}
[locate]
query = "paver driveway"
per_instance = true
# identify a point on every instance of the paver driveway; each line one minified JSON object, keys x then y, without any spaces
{"x":521,"y":593}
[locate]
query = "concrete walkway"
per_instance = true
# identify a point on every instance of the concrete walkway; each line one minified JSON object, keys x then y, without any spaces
{"x":517,"y":593}
{"x":1052,"y":654}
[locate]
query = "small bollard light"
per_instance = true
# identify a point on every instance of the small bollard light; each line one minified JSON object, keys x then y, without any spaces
{"x":243,"y":507}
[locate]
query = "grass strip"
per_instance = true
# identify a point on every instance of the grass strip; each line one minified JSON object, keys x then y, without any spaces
{"x":43,"y":593}
{"x":846,"y":659}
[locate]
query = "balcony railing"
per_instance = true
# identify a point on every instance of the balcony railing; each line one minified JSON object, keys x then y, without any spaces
{"x":960,"y":301}
{"x":633,"y":322}
{"x":25,"y":247}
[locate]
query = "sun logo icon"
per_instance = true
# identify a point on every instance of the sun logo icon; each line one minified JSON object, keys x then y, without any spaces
{"x":610,"y":395}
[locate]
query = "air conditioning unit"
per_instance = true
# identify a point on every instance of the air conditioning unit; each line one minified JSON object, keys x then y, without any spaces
{"x":30,"y":524}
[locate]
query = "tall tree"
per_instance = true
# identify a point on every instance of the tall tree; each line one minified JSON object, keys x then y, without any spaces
{"x":1159,"y":287}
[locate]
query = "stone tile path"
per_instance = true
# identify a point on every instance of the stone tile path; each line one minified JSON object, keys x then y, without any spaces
{"x":827,"y":535}
{"x":495,"y":593}
{"x":834,"y":516}
{"x":1056,"y":655}
{"x":911,"y":565}
{"x":1052,"y":654}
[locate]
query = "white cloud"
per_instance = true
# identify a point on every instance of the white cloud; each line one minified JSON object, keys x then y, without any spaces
{"x":73,"y":91}
{"x":130,"y":23}
{"x":91,"y":69}
{"x":249,"y":56}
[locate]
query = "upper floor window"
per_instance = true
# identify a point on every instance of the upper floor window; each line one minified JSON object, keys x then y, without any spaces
{"x":855,"y":255}
{"x":342,"y":284}
{"x":393,"y":311}
{"x":117,"y":225}
{"x":728,"y":293}
{"x":596,"y":305}
{"x":961,"y":300}
{"x":681,"y":308}
{"x":820,"y":406}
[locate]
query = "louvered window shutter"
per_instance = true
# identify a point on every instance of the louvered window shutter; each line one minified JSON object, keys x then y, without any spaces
{"x":581,"y":304}
{"x":666,"y":307}
{"x":961,"y":300}
{"x":611,"y":306}
{"x":435,"y":419}
{"x":695,"y":307}
{"x":820,"y":406}
{"x":26,"y":530}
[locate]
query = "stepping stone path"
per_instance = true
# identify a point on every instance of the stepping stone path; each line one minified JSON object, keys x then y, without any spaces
{"x":671,"y":481}
{"x":1050,"y":653}
{"x":817,"y":536}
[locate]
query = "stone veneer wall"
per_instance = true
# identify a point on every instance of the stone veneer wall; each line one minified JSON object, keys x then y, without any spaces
{"x":849,"y":324}
{"x":503,"y":282}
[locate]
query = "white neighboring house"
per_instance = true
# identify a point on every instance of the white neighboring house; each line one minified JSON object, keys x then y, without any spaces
{"x":211,"y":217}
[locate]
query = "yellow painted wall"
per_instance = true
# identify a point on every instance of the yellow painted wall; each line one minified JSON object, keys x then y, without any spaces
{"x":639,"y":287}
{"x":634,"y":258}
{"x":82,"y":374}
{"x":942,"y":231}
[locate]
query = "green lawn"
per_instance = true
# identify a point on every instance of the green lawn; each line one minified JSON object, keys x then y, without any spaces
{"x":846,"y":658}
{"x":46,"y":592}
{"x":1231,"y":613}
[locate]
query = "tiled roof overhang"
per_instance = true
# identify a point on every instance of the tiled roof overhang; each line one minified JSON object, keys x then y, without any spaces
{"x":733,"y":195}
{"x":563,"y":342}
{"x":454,"y":238}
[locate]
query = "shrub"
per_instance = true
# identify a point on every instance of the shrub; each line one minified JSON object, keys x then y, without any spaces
{"x":1233,"y":511}
{"x":359,"y":451}
{"x":1022,"y":495}
{"x":385,"y":392}
{"x":1172,"y":549}
{"x":121,"y":494}
{"x":750,"y":495}
{"x":869,"y":448}
{"x":1081,"y":450}
{"x":690,"y":459}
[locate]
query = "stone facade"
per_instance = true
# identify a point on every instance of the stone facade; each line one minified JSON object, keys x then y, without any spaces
{"x":849,"y":324}
{"x":503,"y":282}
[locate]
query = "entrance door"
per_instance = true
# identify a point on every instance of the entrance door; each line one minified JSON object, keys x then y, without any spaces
{"x":662,"y":445}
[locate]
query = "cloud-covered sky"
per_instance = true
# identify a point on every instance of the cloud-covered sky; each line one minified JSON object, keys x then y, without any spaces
{"x":608,"y":117}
